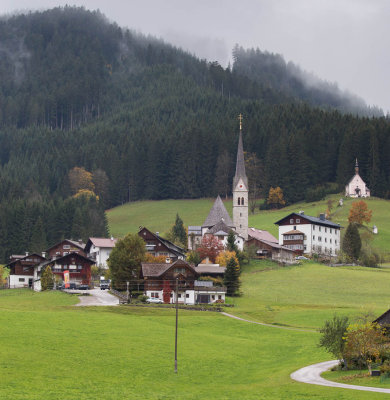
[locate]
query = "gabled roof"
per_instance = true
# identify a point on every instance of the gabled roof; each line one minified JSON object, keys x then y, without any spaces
{"x":217,"y":213}
{"x":314,"y":220}
{"x":100,"y":242}
{"x":171,"y":246}
{"x":80,"y":245}
{"x":155,"y":270}
{"x":240,"y":164}
{"x":210,"y":269}
{"x":261,"y":235}
{"x":276,"y":245}
{"x":384,"y":319}
{"x":21,"y":258}
{"x":73,"y":254}
{"x":219,"y":227}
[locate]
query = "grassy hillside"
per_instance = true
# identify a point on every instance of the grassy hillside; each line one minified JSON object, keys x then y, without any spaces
{"x":304,"y":296}
{"x":129,"y":352}
{"x":160,"y":216}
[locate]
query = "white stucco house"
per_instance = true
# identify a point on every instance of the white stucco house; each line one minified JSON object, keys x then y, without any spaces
{"x":99,"y":249}
{"x":307,"y":235}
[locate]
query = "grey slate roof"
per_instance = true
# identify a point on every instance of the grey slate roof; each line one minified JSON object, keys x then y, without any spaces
{"x":210,"y":269}
{"x":219,"y":226}
{"x":240,"y":164}
{"x":314,"y":220}
{"x":217,"y":213}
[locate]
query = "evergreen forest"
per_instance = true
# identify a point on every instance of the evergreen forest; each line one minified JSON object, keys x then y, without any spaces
{"x":147,"y":120}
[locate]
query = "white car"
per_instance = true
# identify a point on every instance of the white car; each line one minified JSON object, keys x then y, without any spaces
{"x":154,"y":300}
{"x":301,"y":258}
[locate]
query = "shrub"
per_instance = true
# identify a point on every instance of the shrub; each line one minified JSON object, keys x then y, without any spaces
{"x":142,"y":298}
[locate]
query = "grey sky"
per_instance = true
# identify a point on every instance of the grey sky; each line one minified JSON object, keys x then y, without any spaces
{"x":343,"y":41}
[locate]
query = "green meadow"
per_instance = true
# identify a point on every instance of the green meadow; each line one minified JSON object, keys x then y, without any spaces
{"x":160,"y":216}
{"x":52,"y":349}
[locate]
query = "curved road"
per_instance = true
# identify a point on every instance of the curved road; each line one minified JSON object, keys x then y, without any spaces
{"x":97,"y":297}
{"x":311,"y":374}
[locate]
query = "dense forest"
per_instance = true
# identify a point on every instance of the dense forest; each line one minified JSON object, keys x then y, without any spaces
{"x":149,"y":121}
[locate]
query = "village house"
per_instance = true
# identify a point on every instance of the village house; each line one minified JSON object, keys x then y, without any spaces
{"x":160,"y":282}
{"x":267,"y":246}
{"x":99,"y":249}
{"x":21,"y":270}
{"x":78,"y":265}
{"x":307,"y":235}
{"x":65,"y":247}
{"x":356,"y":187}
{"x":158,"y":246}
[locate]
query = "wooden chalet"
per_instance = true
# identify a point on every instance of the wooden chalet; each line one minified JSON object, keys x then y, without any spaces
{"x":22,"y":269}
{"x":160,"y":282}
{"x":79,"y":268}
{"x":66,"y":247}
{"x":158,"y":246}
{"x":267,"y":246}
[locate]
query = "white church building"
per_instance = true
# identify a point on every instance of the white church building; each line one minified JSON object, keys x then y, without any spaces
{"x":356,"y":187}
{"x":218,"y":222}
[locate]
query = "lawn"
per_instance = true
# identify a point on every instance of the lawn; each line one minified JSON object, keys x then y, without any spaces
{"x":160,"y":216}
{"x":305,"y":295}
{"x":354,"y":377}
{"x":51,"y":349}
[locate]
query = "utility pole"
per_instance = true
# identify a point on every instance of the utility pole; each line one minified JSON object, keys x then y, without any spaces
{"x":128,"y":293}
{"x":177,"y":315}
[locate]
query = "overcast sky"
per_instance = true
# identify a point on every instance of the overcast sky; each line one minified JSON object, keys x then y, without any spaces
{"x":343,"y":41}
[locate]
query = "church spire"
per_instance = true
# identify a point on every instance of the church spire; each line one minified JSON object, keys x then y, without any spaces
{"x":356,"y":167}
{"x":240,"y":164}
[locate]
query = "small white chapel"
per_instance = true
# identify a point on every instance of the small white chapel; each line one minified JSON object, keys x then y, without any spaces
{"x":356,"y":187}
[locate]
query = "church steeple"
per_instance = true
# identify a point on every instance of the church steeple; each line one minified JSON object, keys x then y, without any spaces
{"x":356,"y":167}
{"x":240,"y":191}
{"x":240,"y":163}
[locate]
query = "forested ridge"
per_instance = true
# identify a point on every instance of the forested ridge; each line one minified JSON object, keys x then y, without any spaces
{"x":150,"y":121}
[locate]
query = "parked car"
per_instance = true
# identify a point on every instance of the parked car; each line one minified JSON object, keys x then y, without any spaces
{"x":83,"y":287}
{"x":301,"y":258}
{"x":154,"y":300}
{"x":104,"y":284}
{"x":72,"y":285}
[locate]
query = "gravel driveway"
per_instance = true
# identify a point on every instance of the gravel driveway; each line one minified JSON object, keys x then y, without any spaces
{"x":96,"y":297}
{"x":311,"y":374}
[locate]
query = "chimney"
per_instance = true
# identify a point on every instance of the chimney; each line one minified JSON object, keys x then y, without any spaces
{"x":112,"y":238}
{"x":322,"y":217}
{"x":301,"y":212}
{"x":157,"y":233}
{"x":80,"y":241}
{"x":26,"y":253}
{"x":44,"y":254}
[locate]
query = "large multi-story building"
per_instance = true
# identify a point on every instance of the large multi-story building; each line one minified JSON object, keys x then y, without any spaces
{"x":305,"y":234}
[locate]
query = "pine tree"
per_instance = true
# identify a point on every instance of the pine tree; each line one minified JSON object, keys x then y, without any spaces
{"x":231,"y":242}
{"x":179,"y":231}
{"x":232,"y":277}
{"x":47,"y":279}
{"x":352,"y":243}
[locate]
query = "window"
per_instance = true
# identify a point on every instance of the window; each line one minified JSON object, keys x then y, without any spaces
{"x":238,"y":201}
{"x":298,"y":221}
{"x":319,"y":238}
{"x":187,"y":296}
{"x":330,"y":240}
{"x":335,"y":242}
{"x":219,"y":297}
{"x":314,"y":227}
{"x":304,"y":247}
{"x":213,"y":297}
{"x":66,"y":253}
{"x":330,"y":230}
{"x":242,"y":201}
{"x":21,"y":279}
{"x":291,"y":221}
{"x":314,"y":238}
{"x":180,"y":271}
{"x":295,"y":228}
{"x":325,"y":229}
{"x":179,"y":296}
{"x":79,"y":267}
{"x":240,"y":214}
{"x":66,"y":247}
{"x":325,"y":240}
{"x":319,"y":228}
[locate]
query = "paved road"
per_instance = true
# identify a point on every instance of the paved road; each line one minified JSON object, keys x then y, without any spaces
{"x":97,"y":298}
{"x":311,"y":374}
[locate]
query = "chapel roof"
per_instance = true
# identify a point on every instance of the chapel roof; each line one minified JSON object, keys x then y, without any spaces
{"x":217,"y":213}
